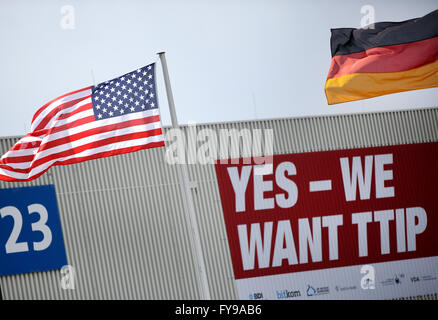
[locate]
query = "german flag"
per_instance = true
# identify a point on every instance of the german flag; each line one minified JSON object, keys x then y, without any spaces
{"x":392,"y":57}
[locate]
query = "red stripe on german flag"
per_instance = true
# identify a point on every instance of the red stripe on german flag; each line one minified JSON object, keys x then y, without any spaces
{"x":392,"y":57}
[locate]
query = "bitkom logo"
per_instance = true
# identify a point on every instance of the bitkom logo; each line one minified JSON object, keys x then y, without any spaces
{"x":286,"y":294}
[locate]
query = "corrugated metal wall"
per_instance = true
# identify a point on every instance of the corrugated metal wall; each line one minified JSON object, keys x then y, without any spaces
{"x":123,"y":222}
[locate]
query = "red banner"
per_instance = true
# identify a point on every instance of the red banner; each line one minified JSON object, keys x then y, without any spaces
{"x":329,"y":209}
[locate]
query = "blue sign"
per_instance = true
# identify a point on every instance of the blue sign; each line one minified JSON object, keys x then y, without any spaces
{"x":30,"y":231}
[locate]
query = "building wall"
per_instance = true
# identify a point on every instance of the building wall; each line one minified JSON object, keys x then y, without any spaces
{"x":123,"y":218}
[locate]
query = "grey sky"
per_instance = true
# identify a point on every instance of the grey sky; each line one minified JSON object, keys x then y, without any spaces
{"x":228,"y":60}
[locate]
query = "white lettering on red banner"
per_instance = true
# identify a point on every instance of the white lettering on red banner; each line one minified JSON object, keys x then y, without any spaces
{"x":331,"y":209}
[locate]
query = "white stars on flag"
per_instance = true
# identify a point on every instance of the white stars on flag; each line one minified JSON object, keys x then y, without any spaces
{"x":133,"y":92}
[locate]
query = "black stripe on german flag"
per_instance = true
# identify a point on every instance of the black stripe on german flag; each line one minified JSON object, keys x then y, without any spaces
{"x":392,"y":57}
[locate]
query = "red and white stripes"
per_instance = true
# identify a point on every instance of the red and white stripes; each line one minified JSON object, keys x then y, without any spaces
{"x":64,"y":131}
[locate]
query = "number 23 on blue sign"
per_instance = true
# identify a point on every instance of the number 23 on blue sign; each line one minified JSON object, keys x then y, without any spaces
{"x":30,"y":231}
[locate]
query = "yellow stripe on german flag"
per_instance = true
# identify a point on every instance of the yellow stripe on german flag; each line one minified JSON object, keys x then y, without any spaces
{"x":392,"y":57}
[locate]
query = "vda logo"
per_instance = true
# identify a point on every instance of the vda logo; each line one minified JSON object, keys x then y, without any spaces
{"x":368,"y":280}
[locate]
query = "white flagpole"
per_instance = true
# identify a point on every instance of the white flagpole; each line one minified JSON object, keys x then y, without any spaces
{"x":190,"y":212}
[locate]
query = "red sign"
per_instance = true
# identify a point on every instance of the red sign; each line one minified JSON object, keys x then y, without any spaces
{"x":329,"y":209}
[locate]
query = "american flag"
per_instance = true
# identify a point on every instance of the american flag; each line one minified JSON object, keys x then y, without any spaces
{"x":115,"y":117}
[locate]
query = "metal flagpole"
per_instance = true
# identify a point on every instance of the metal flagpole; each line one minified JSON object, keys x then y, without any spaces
{"x":194,"y":236}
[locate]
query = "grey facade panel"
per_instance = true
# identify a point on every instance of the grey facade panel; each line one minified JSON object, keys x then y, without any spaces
{"x":123,"y":218}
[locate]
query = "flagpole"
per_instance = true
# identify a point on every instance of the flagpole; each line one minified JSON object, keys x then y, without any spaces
{"x":194,"y":235}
